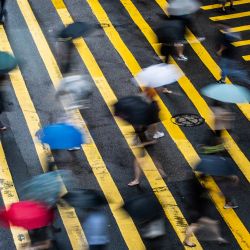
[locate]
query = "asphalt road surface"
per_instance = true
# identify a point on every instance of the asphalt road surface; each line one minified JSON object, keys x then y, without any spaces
{"x":111,"y":56}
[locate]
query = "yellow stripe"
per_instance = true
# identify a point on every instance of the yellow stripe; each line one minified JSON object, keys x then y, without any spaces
{"x":9,"y":196}
{"x":126,"y":225}
{"x":69,"y":217}
{"x":217,"y":6}
{"x":175,"y":132}
{"x":240,"y":28}
{"x":246,"y":58}
{"x":207,"y":60}
{"x":231,"y":16}
{"x":241,"y":43}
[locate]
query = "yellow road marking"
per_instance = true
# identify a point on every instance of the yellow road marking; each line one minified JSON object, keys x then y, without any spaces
{"x":246,"y":58}
{"x":217,"y":6}
{"x":9,"y":196}
{"x":158,"y":185}
{"x":240,"y":28}
{"x":69,"y":217}
{"x":230,"y":16}
{"x":207,"y":60}
{"x":107,"y":184}
{"x":238,"y":229}
{"x":241,"y":43}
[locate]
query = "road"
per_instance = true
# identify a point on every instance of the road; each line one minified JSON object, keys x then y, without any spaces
{"x":111,"y":56}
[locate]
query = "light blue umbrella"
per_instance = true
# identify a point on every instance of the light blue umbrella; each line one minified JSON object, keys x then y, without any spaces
{"x":61,"y":136}
{"x":229,"y":93}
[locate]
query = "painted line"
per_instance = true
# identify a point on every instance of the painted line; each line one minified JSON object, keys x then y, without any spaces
{"x":230,"y":16}
{"x":126,"y":225}
{"x":69,"y":217}
{"x":217,"y":6}
{"x":9,"y":196}
{"x":158,"y":185}
{"x":200,"y":104}
{"x":236,"y":226}
{"x":240,"y":28}
{"x":241,"y":43}
{"x":246,"y":58}
{"x":207,"y":60}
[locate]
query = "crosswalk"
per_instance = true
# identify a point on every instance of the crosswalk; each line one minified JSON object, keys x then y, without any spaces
{"x":120,"y":46}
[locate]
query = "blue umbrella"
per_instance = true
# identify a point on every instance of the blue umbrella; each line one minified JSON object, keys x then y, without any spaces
{"x":230,"y":93}
{"x":7,"y":62}
{"x":216,"y":166}
{"x":61,"y":136}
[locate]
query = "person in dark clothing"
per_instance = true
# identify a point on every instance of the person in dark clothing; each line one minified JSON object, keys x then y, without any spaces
{"x":223,"y":5}
{"x":229,"y":59}
{"x":2,"y":10}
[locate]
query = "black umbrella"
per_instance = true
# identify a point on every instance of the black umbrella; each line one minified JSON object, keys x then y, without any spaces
{"x":171,"y":32}
{"x":216,"y":166}
{"x":134,"y":109}
{"x":84,"y":198}
{"x":143,"y":208}
{"x":75,"y":30}
{"x":7,"y":62}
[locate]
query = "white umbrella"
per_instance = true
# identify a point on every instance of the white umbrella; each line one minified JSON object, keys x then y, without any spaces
{"x":182,"y":7}
{"x":159,"y":75}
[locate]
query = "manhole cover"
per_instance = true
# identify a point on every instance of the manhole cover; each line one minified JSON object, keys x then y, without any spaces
{"x":187,"y":120}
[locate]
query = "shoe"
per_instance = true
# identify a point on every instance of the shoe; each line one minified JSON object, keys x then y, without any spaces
{"x":182,"y":58}
{"x":3,"y":128}
{"x":221,"y":81}
{"x":201,"y":38}
{"x":74,"y":149}
{"x":158,"y":135}
{"x":230,"y":205}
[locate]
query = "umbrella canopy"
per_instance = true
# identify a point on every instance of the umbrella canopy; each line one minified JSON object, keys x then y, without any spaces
{"x":46,"y":187}
{"x":133,"y":109}
{"x":61,"y":136}
{"x":216,"y":166}
{"x":75,"y":30}
{"x":159,"y":75}
{"x":229,"y":93}
{"x":183,"y":7}
{"x":7,"y":62}
{"x":84,"y":198}
{"x":143,"y":208}
{"x":29,"y":215}
{"x":171,"y":31}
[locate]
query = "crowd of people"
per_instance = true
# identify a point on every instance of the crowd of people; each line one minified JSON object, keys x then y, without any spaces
{"x":43,"y":193}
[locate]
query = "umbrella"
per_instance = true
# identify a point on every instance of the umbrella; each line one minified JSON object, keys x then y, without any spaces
{"x":159,"y":75}
{"x":84,"y":198}
{"x":7,"y":62}
{"x":61,"y":136}
{"x":171,"y":32}
{"x":133,"y":109}
{"x":182,"y":7}
{"x":75,"y":30}
{"x":46,"y":187}
{"x":216,"y":165}
{"x":143,"y":208}
{"x":229,"y":93}
{"x":29,"y":215}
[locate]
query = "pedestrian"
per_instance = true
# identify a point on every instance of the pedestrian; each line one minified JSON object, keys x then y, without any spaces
{"x":197,"y":200}
{"x":229,"y":58}
{"x":223,"y":5}
{"x":2,"y":11}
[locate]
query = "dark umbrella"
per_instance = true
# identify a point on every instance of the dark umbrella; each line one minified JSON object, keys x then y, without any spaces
{"x":143,"y":208}
{"x":7,"y":62}
{"x":28,"y":214}
{"x":75,"y":30}
{"x":133,"y":109}
{"x":84,"y":198}
{"x":171,"y":32}
{"x":216,"y":166}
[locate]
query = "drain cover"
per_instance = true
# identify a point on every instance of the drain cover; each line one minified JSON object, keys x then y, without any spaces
{"x":187,"y":120}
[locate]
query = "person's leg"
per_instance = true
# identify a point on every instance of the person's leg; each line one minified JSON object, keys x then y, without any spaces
{"x":190,"y":230}
{"x":137,"y":172}
{"x":180,"y":50}
{"x":2,"y":9}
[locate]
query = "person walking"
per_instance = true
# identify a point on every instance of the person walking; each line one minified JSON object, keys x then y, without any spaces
{"x":223,"y":5}
{"x":2,"y":11}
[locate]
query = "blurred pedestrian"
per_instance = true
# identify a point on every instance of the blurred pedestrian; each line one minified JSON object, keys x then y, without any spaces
{"x":201,"y":216}
{"x":2,"y":104}
{"x":2,"y":11}
{"x":229,"y":58}
{"x":223,"y":5}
